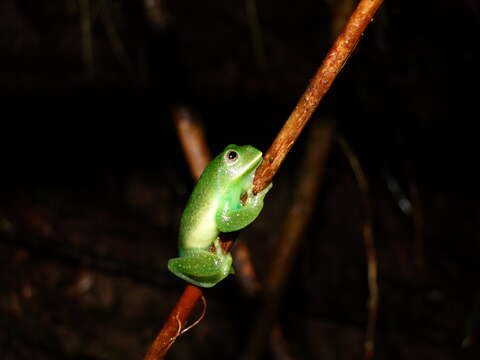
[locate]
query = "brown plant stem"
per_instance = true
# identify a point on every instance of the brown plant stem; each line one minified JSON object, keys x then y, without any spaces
{"x":367,"y":233}
{"x":245,"y":271}
{"x":318,"y":86}
{"x":175,"y":321}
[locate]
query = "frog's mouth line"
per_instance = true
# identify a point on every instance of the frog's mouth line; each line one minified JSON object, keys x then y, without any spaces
{"x":255,"y":162}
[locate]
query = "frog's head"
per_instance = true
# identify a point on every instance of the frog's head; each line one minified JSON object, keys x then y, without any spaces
{"x":238,"y":161}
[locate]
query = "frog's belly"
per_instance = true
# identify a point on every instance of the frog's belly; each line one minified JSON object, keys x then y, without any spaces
{"x":201,"y":231}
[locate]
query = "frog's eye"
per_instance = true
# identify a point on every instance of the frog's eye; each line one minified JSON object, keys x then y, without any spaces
{"x":231,"y":156}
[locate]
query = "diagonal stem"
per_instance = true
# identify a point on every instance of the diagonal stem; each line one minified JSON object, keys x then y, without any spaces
{"x":319,"y":85}
{"x":317,"y":88}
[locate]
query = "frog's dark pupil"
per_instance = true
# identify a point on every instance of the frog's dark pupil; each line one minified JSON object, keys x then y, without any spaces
{"x":232,"y":155}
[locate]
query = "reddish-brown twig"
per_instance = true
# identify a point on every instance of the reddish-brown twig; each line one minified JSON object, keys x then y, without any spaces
{"x":245,"y":271}
{"x":191,"y":138}
{"x":319,"y":85}
{"x":172,"y":326}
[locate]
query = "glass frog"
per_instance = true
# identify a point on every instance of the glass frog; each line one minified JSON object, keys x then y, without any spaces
{"x":222,"y":201}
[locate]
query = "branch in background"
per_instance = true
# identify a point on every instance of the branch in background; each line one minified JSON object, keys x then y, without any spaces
{"x":311,"y":175}
{"x":368,"y":240}
{"x":245,"y":271}
{"x":192,"y":139}
{"x":319,"y":85}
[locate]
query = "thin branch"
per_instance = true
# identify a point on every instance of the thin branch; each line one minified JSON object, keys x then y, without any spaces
{"x":245,"y":271}
{"x":319,"y":85}
{"x":172,"y":326}
{"x":367,"y":232}
{"x":191,"y":137}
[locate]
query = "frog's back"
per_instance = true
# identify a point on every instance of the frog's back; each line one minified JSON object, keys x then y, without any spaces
{"x":197,"y":226}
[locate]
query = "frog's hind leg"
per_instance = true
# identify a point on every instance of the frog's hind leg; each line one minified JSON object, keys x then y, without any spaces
{"x":201,"y":267}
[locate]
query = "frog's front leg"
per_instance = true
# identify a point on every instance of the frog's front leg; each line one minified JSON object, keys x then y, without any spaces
{"x":235,"y":217}
{"x":201,"y":267}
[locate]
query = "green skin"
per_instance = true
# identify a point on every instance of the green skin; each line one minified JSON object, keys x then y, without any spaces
{"x":215,"y":207}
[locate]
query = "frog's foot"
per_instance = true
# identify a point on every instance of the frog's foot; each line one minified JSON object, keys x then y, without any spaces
{"x":201,"y":268}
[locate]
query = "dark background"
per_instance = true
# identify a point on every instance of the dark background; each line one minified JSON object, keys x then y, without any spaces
{"x":93,"y":179}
